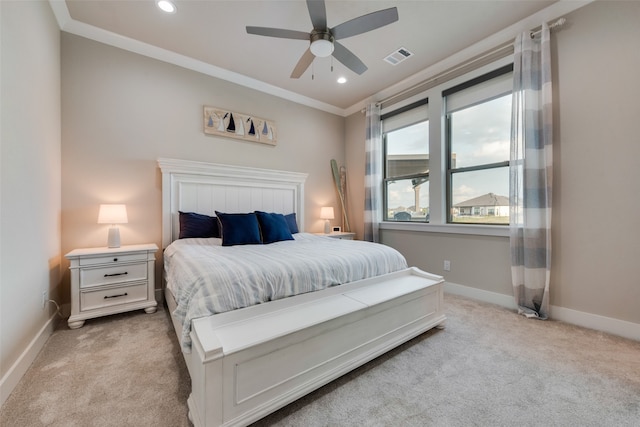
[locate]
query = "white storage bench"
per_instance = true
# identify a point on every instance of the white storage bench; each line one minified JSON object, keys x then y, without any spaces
{"x":248,"y":363}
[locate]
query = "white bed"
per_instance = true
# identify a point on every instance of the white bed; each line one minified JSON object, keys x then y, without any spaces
{"x":247,"y":363}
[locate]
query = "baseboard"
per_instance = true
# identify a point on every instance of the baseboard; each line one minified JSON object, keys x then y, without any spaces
{"x":594,"y":321}
{"x":19,"y":368}
{"x":580,"y":318}
{"x":502,"y":300}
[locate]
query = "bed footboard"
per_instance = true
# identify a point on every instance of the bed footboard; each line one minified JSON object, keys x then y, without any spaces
{"x":248,"y":363}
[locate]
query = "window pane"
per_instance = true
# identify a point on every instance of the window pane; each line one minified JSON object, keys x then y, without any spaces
{"x":480,"y":134}
{"x":407,"y":200}
{"x":408,"y":150}
{"x":480,"y":196}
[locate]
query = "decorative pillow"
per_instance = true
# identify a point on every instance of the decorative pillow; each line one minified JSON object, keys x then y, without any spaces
{"x":273,"y":227}
{"x":198,"y":225}
{"x":292,"y":222}
{"x":239,"y":228}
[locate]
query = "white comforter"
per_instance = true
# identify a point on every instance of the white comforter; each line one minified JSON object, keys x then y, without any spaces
{"x":206,"y":278}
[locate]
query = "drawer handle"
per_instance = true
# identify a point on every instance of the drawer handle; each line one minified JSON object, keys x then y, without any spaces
{"x":115,"y":260}
{"x":116,"y":274}
{"x":116,"y":296}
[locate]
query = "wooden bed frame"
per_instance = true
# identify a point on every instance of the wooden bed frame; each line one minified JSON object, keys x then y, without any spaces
{"x":247,"y":363}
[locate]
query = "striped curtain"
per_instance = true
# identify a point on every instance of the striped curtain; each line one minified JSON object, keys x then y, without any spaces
{"x":372,"y":174}
{"x":531,"y":174}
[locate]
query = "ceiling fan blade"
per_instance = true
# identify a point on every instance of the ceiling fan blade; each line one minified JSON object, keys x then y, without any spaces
{"x":302,"y":65}
{"x":278,"y":32}
{"x":347,"y":57}
{"x":365,"y":23}
{"x":318,"y":14}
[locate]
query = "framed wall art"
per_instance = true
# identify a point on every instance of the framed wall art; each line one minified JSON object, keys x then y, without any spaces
{"x":221,"y":122}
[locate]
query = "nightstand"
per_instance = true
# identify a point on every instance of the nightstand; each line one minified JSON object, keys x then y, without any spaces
{"x":343,"y":235}
{"x":111,"y":280}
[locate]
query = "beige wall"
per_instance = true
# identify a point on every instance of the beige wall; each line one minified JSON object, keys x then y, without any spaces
{"x":477,"y":261}
{"x":30,"y":176}
{"x":121,"y":111}
{"x":596,"y":235}
{"x":596,"y":173}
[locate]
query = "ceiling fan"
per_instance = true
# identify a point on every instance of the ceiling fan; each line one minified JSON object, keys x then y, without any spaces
{"x":323,"y":40}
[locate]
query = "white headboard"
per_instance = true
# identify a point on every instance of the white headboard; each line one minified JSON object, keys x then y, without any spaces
{"x":199,"y":187}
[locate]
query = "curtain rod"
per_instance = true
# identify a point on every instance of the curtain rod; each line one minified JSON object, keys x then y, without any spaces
{"x":484,"y":58}
{"x":559,"y":23}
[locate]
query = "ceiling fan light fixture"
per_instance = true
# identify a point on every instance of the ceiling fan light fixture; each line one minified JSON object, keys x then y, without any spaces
{"x":322,"y":48}
{"x":321,"y":44}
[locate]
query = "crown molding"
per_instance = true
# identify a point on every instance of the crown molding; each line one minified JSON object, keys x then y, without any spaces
{"x":69,"y":25}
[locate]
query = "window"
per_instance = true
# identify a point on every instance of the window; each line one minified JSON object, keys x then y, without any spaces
{"x":405,"y":136}
{"x":446,"y":161}
{"x":478,"y":133}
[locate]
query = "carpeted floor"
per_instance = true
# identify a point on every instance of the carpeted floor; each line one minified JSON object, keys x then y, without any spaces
{"x":120,"y":370}
{"x":489,"y":367}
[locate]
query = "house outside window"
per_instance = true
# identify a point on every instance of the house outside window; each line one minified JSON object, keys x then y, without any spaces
{"x":405,"y":136}
{"x":478,"y":132}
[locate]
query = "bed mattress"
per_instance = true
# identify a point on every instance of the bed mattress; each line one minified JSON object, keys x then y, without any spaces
{"x":207,"y":278}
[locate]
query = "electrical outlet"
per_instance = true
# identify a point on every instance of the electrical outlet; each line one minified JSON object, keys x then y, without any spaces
{"x":45,"y":298}
{"x":447,"y":265}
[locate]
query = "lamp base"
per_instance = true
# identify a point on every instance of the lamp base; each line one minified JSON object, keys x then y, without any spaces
{"x":327,"y":227}
{"x":114,"y":237}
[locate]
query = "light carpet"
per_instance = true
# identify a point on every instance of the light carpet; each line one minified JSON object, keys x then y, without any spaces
{"x":488,"y":367}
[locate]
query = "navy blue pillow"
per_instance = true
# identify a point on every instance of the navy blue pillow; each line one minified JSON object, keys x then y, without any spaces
{"x":292,"y":222}
{"x":273,"y":227}
{"x":239,"y":228}
{"x":194,"y":225}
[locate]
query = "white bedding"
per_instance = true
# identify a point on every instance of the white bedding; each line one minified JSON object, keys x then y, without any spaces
{"x":207,"y":278}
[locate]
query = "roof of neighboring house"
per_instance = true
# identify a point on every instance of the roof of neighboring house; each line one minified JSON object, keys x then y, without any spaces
{"x":488,"y":199}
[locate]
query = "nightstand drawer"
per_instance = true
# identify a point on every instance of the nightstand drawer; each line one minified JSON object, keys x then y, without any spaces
{"x":113,"y":259}
{"x":90,"y":300}
{"x":119,"y":273}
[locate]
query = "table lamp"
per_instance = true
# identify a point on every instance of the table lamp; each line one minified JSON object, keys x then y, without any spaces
{"x":326,"y":213}
{"x":113,"y":214}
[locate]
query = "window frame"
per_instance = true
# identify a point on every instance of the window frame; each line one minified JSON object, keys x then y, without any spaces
{"x":449,"y":170}
{"x":385,"y":178}
{"x":437,"y":169}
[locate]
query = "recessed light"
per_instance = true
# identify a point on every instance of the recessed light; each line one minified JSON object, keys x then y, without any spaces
{"x":342,"y":80}
{"x":166,"y":6}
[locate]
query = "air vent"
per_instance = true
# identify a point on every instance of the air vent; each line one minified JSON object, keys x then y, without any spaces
{"x":398,"y":56}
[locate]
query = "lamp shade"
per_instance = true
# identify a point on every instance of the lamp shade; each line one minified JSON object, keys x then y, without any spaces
{"x":321,"y":48}
{"x":112,"y":214}
{"x":326,"y":212}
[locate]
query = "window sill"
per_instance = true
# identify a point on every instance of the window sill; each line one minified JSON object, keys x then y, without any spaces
{"x":472,"y":229}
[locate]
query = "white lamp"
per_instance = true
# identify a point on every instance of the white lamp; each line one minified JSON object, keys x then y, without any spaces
{"x":321,"y":44}
{"x":326,"y":213}
{"x":113,"y":214}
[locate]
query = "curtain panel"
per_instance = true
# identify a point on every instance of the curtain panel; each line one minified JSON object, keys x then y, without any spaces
{"x":530,"y":174}
{"x":373,"y":174}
